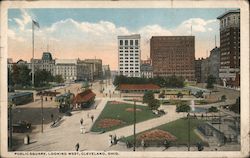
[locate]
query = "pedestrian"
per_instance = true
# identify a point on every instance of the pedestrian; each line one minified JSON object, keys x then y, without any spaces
{"x":92,"y":118}
{"x":166,"y":143}
{"x":143,"y":144}
{"x":110,"y":140}
{"x":77,"y":146}
{"x":88,"y":115}
{"x":51,"y":98}
{"x":114,"y":139}
{"x":52,"y":117}
{"x":81,"y":129}
{"x":81,"y":121}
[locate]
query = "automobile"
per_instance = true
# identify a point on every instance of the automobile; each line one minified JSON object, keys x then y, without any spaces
{"x":21,"y":127}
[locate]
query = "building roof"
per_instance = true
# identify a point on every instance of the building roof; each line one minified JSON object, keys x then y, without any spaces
{"x":84,"y":96}
{"x":65,"y":95}
{"x":66,"y":61}
{"x":138,"y":87}
{"x":47,"y":56}
{"x":134,"y":36}
{"x":18,"y":94}
{"x":228,"y":12}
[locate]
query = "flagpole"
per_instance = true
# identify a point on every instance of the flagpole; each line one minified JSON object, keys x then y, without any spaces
{"x":33,"y":54}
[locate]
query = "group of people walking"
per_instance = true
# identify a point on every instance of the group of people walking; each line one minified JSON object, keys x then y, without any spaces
{"x":112,"y":140}
{"x":82,"y":129}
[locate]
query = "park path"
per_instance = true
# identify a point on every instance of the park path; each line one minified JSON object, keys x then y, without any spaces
{"x":68,"y":134}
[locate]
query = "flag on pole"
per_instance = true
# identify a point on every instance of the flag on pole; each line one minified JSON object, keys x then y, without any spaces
{"x":36,"y":23}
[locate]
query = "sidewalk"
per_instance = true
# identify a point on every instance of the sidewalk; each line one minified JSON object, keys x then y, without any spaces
{"x":64,"y":137}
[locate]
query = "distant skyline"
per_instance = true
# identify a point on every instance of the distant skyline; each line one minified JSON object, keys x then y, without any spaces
{"x":92,"y":33}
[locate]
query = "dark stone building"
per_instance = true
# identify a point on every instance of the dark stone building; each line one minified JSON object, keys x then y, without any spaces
{"x":198,"y":69}
{"x":173,"y":55}
{"x":230,"y":48}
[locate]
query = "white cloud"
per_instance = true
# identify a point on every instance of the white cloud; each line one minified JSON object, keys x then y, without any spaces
{"x":12,"y":35}
{"x":70,"y":35}
{"x":198,"y":26}
{"x":22,"y":22}
{"x":210,"y":29}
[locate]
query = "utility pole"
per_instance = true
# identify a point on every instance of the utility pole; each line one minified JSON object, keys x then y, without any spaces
{"x":134,"y":123}
{"x":188,"y":131}
{"x":42,"y":112}
{"x":10,"y":126}
{"x":33,"y":48}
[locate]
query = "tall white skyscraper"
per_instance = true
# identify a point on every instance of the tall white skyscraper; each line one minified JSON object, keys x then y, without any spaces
{"x":129,"y":55}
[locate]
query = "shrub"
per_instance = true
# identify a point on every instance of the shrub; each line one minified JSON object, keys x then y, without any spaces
{"x":182,"y":107}
{"x":154,"y":104}
{"x":179,"y":95}
{"x":213,"y":109}
{"x":148,"y":96}
{"x":223,"y":98}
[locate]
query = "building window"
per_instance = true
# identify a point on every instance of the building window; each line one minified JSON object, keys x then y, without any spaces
{"x":131,"y":42}
{"x":126,"y":42}
{"x":121,"y":42}
{"x":136,"y":42}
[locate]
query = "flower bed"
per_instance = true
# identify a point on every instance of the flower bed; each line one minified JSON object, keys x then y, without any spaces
{"x":132,"y":109}
{"x":156,"y":134}
{"x":106,"y":123}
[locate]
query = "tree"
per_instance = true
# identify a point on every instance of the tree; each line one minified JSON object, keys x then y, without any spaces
{"x":223,"y":98}
{"x":15,"y":74}
{"x":213,"y":109}
{"x":182,"y":107}
{"x":42,"y":77}
{"x":119,"y":80}
{"x":199,"y":94}
{"x":154,"y":104}
{"x":58,"y":79}
{"x":210,"y":81}
{"x":10,"y":78}
{"x":24,"y":75}
{"x":148,"y":96}
{"x":179,"y":95}
{"x":161,"y":95}
{"x":235,"y":107}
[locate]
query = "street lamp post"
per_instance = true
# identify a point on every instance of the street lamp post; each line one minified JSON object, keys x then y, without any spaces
{"x":188,"y":131}
{"x":10,"y":127}
{"x":42,"y":112}
{"x":134,"y":124}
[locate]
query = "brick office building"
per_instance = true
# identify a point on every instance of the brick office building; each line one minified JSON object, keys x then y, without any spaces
{"x":173,"y":55}
{"x":229,"y":71}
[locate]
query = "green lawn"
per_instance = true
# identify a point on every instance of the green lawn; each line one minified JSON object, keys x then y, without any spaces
{"x":179,"y":129}
{"x":118,"y":111}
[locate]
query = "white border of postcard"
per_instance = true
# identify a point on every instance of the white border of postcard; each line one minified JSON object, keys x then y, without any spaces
{"x":244,"y":9}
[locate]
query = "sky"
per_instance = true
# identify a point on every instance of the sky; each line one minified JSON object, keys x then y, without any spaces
{"x":92,"y":32}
